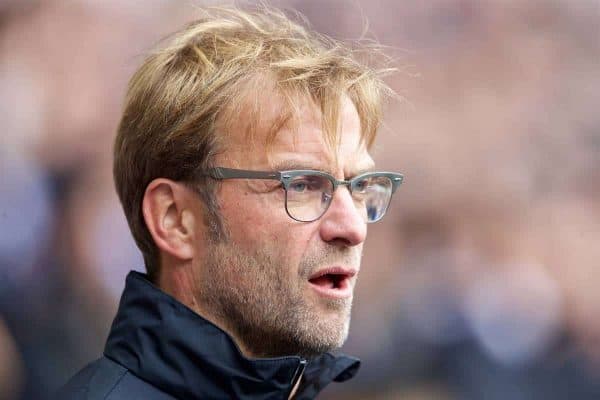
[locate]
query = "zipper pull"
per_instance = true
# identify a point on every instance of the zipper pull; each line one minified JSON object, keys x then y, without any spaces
{"x":297,"y":377}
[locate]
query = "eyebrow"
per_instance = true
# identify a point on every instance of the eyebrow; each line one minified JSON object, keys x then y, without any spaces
{"x":286,"y":165}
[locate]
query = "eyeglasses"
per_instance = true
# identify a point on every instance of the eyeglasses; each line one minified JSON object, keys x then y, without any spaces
{"x":308,"y":193}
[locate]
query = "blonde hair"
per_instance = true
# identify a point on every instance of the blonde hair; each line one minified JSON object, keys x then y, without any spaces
{"x":202,"y":78}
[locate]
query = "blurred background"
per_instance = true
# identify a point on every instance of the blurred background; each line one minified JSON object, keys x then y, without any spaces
{"x":483,"y":282}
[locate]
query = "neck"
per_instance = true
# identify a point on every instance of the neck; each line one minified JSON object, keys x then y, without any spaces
{"x":178,"y":282}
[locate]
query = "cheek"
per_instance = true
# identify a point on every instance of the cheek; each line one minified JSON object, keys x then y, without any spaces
{"x":283,"y":240}
{"x":246,"y":207}
{"x":256,"y":223}
{"x":253,"y":217}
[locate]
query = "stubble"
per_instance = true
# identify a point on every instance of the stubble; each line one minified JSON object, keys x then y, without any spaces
{"x":269,"y":314}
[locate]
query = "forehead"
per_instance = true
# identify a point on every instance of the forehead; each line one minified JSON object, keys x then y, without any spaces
{"x":272,"y":136}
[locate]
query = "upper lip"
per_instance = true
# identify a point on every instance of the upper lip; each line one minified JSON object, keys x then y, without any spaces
{"x":346,"y":272}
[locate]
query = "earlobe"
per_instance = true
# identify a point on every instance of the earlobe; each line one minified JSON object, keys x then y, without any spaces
{"x":169,"y":221}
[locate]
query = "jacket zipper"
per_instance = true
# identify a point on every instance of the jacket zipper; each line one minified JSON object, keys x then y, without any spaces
{"x":297,"y":376}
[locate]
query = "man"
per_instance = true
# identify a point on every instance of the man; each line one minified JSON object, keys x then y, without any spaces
{"x":242,"y":164}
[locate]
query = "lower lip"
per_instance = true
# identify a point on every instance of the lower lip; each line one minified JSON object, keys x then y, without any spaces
{"x":342,"y":292}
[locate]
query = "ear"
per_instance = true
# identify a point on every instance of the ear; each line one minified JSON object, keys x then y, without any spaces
{"x":169,"y":215}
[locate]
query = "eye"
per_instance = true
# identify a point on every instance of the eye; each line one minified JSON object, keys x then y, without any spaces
{"x":362,"y":185}
{"x":307,"y":183}
{"x":298,"y":186}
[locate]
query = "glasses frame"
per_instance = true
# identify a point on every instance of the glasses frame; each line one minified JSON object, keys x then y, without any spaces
{"x":286,"y":177}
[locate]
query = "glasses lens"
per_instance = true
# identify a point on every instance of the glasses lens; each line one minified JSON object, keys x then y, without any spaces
{"x":308,"y":196}
{"x":372,"y":196}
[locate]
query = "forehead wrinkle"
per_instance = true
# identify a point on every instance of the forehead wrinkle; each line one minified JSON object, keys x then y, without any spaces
{"x":266,"y":126}
{"x":305,"y":144}
{"x":305,"y":113}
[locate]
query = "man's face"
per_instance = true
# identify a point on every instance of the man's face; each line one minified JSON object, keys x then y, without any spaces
{"x":267,"y":283}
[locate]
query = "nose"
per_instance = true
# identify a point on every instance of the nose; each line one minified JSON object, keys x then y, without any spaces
{"x":342,"y":224}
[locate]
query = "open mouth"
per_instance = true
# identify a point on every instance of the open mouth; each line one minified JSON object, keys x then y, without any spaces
{"x":333,"y":282}
{"x":330,"y":281}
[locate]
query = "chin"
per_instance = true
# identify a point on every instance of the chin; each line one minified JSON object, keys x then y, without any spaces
{"x":327,"y":338}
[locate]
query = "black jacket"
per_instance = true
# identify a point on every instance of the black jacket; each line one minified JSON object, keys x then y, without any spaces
{"x":160,"y":349}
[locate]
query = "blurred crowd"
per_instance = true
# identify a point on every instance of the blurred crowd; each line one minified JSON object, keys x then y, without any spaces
{"x":481,"y":283}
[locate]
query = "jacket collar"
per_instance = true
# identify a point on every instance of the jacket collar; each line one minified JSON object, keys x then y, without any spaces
{"x":163,"y":342}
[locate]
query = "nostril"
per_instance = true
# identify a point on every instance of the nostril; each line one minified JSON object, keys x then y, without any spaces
{"x":339,"y":241}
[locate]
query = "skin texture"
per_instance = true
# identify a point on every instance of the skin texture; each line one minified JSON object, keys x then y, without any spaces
{"x":254,"y":284}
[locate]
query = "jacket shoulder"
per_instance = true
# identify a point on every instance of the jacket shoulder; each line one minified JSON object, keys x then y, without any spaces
{"x":105,"y":379}
{"x":94,"y":382}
